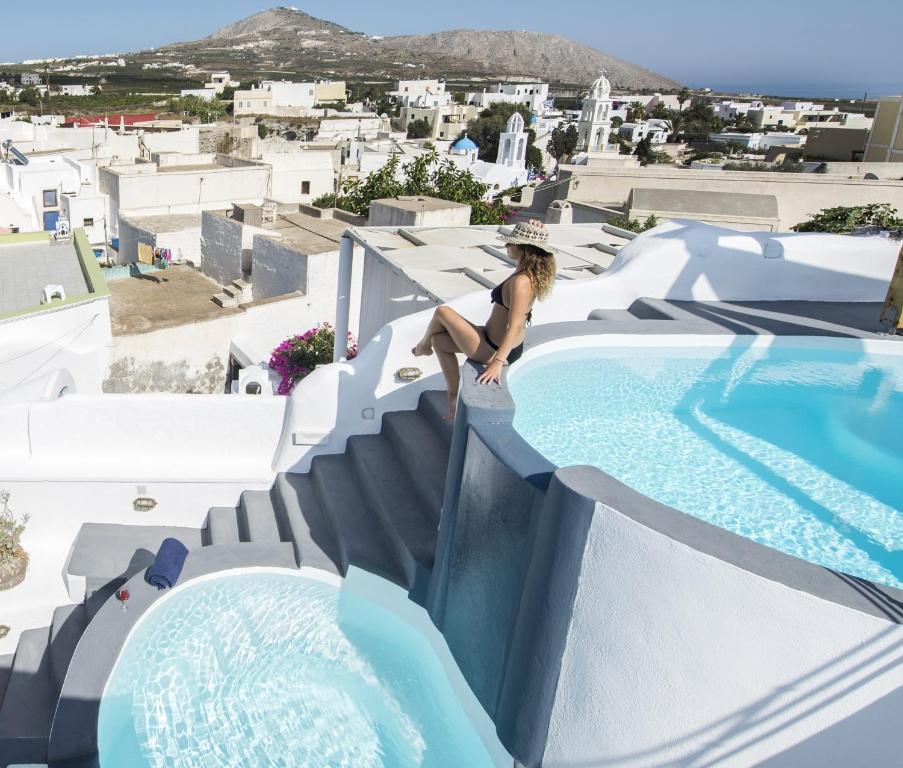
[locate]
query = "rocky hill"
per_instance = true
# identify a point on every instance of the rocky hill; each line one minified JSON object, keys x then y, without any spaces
{"x":276,"y":19}
{"x":285,"y":42}
{"x":550,"y":57}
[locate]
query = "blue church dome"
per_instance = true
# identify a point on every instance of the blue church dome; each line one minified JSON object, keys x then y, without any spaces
{"x":465,"y":144}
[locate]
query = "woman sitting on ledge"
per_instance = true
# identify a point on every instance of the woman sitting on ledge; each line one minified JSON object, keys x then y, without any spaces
{"x":501,"y":341}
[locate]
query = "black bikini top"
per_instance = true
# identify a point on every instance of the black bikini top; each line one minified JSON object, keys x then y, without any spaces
{"x":496,"y":297}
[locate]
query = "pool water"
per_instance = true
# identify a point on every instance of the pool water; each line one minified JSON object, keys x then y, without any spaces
{"x":266,"y":669}
{"x":797,"y":448}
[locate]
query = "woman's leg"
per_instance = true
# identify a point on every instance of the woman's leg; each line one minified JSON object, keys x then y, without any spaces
{"x":465,"y":335}
{"x":459,"y":336}
{"x":425,"y":345}
{"x":447,"y":354}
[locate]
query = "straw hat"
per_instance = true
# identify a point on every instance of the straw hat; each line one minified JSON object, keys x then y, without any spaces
{"x":525,"y":233}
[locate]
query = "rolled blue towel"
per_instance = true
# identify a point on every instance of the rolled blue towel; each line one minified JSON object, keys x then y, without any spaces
{"x":167,"y":565}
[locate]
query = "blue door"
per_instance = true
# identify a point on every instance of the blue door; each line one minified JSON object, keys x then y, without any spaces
{"x":50,"y":218}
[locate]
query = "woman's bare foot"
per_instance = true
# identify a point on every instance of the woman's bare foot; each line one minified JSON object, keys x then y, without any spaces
{"x":452,"y":407}
{"x":421,"y":349}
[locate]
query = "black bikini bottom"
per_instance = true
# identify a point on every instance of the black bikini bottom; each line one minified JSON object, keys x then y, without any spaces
{"x":513,"y":355}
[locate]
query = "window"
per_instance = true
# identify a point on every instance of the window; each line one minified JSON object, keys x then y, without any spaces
{"x":87,"y":222}
{"x":305,"y":187}
{"x":50,"y":198}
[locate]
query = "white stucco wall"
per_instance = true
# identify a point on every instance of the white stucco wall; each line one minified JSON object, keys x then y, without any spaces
{"x":186,"y":140}
{"x":292,"y":169}
{"x":139,"y":191}
{"x":677,"y":658}
{"x":42,"y":352}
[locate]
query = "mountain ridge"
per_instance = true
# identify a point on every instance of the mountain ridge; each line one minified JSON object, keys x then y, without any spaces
{"x":285,"y":39}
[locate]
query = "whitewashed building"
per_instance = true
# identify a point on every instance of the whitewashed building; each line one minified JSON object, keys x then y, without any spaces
{"x":533,"y":96}
{"x":420,"y":93}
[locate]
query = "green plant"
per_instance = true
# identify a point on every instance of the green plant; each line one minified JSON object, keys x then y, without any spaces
{"x":632,"y":225}
{"x":11,"y":530}
{"x":419,"y":129}
{"x":262,"y":131}
{"x":425,"y":175}
{"x":842,"y":219}
{"x":226,"y":144}
{"x":326,"y":200}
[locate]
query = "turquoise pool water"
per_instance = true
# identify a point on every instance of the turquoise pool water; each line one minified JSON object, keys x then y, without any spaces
{"x":263,"y":669}
{"x":799,"y":449}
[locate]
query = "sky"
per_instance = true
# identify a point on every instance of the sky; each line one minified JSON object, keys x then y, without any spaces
{"x":801,"y":47}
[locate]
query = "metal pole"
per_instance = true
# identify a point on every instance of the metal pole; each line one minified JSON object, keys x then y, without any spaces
{"x":343,"y":299}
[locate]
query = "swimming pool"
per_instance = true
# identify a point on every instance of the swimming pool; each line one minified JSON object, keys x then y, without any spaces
{"x":266,"y":669}
{"x":796,"y":445}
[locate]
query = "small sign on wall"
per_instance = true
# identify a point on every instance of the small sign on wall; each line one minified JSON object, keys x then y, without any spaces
{"x":892,"y":312}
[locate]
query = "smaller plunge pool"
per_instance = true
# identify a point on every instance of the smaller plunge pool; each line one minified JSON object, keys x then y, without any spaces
{"x":266,"y":669}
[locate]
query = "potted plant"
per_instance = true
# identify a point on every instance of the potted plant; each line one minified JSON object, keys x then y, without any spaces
{"x":296,"y":357}
{"x":13,"y":559}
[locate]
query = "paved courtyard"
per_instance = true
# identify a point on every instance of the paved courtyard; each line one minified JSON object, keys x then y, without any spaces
{"x":164,"y":299}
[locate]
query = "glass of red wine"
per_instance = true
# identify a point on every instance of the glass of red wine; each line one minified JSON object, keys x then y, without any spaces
{"x":123,"y":597}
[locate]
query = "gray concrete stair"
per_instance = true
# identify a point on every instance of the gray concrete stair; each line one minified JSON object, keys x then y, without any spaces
{"x":222,"y":526}
{"x":363,"y":536}
{"x":307,"y":524}
{"x":6,"y":668}
{"x":434,"y":406}
{"x":66,"y":629}
{"x":29,"y":703}
{"x":257,"y":518}
{"x":423,"y":454}
{"x":390,"y":493}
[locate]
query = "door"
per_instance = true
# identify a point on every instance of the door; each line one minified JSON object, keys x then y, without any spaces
{"x":50,"y":219}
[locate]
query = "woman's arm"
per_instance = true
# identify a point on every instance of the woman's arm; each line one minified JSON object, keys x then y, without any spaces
{"x":520,"y":300}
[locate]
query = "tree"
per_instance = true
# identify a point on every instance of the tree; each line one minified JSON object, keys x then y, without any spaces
{"x":643,"y":150}
{"x":262,"y":131}
{"x":617,"y":122}
{"x":562,"y":141}
{"x":841,"y":219}
{"x":425,"y":175}
{"x":635,"y":112}
{"x":699,"y":121}
{"x":485,"y":129}
{"x":660,"y":111}
{"x":533,"y":156}
{"x":30,"y":96}
{"x":419,"y":129}
{"x":683,"y":96}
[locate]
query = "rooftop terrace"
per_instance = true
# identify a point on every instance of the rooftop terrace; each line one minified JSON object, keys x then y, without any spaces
{"x":31,"y":261}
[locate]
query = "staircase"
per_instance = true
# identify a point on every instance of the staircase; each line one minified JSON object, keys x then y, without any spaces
{"x":375,"y":506}
{"x":235,"y":294}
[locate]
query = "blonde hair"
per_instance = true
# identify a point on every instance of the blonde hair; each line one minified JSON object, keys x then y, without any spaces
{"x":540,"y":267}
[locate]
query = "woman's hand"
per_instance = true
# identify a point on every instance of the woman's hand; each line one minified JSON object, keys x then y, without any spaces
{"x":492,"y":373}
